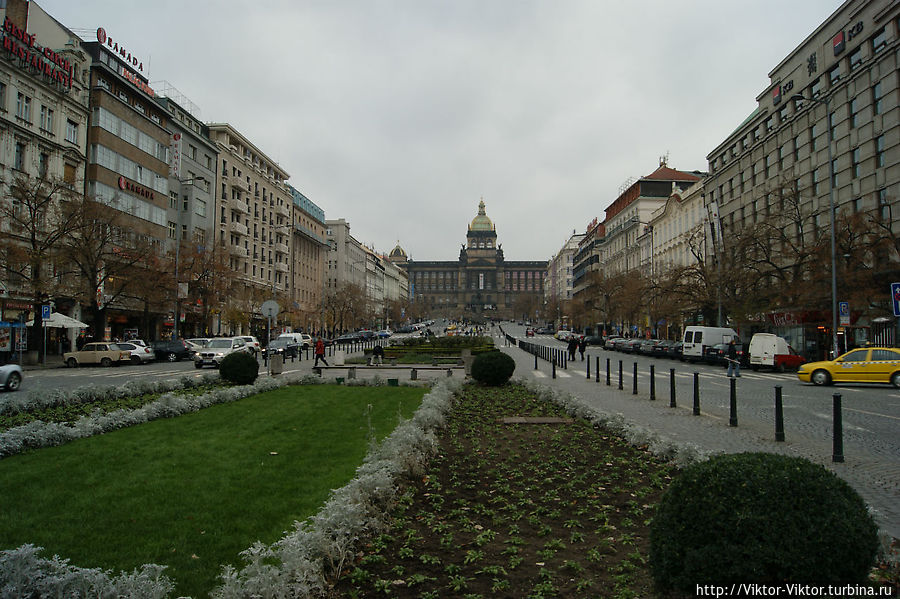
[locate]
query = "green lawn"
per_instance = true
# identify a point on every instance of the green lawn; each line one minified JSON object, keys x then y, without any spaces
{"x":192,"y":492}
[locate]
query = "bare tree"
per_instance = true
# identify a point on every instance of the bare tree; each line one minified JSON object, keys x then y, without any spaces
{"x":37,"y":216}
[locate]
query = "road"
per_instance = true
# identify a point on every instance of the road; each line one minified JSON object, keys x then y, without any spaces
{"x":870,"y":414}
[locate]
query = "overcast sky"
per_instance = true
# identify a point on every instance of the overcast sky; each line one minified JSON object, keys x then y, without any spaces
{"x":399,"y":116}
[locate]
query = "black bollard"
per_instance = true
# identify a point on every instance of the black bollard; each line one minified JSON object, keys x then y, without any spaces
{"x":634,"y":380}
{"x":652,"y":382}
{"x":554,"y":370}
{"x":620,"y":375}
{"x":588,"y":368}
{"x":696,"y":394}
{"x":837,"y":454}
{"x":607,"y":372}
{"x":732,"y":418}
{"x":535,"y":360}
{"x":672,"y":388}
{"x":597,"y":370}
{"x":779,"y":415}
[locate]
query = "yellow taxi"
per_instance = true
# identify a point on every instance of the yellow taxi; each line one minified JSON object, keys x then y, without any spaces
{"x":863,"y":365}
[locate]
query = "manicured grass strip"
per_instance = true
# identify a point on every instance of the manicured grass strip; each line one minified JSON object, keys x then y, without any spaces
{"x":194,"y":491}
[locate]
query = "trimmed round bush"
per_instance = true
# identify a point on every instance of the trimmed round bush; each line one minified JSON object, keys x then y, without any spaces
{"x":493,"y":368}
{"x":760,"y":518}
{"x":239,"y":368}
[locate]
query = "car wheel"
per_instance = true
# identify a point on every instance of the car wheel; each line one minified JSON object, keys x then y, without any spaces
{"x":135,"y":360}
{"x":895,"y":379}
{"x":198,"y":365}
{"x":172,"y":358}
{"x":820,"y":377}
{"x":105,"y":362}
{"x":72,"y":363}
{"x":13,"y":382}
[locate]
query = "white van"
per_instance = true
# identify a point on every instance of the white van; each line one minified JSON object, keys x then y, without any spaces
{"x":301,"y":339}
{"x":767,"y":349}
{"x":696,"y":339}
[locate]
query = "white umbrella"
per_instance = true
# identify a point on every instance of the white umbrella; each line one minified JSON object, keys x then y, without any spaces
{"x":58,"y":320}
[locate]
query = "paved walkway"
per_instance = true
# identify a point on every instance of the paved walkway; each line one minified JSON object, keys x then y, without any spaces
{"x":877,"y":479}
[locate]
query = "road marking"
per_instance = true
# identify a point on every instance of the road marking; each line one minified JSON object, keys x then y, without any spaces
{"x":539,"y":374}
{"x":872,"y":413}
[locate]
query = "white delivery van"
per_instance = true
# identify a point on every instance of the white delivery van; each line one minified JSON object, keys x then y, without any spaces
{"x":768,"y":349}
{"x":696,"y":339}
{"x":301,"y":339}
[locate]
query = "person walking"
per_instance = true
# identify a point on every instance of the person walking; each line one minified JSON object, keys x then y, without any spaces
{"x":582,"y":345}
{"x":572,"y":347}
{"x":734,"y":364}
{"x":320,"y":352}
{"x":377,"y":355}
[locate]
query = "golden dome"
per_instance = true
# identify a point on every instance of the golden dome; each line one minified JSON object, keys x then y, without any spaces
{"x":481,"y":222}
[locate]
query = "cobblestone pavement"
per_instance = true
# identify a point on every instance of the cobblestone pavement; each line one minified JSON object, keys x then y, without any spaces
{"x":874,"y":474}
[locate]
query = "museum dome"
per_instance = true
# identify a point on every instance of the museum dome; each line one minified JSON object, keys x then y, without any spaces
{"x":397,"y":253}
{"x":481,"y":222}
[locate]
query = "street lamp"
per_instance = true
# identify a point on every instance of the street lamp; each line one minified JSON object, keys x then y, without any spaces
{"x":834,"y":318}
{"x":182,"y":183}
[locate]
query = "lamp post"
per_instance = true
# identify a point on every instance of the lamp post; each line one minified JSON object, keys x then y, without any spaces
{"x":831,"y":206}
{"x":182,"y":183}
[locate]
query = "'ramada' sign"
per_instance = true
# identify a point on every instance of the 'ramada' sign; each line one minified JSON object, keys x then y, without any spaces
{"x":124,"y":54}
{"x":126,"y":185}
{"x":44,"y":61}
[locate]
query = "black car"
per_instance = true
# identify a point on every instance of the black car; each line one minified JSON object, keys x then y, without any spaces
{"x":594,"y":340}
{"x":172,"y":351}
{"x":662,"y":349}
{"x":285,"y":347}
{"x":349,"y":338}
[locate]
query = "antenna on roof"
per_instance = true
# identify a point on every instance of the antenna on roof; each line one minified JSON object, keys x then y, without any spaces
{"x":664,"y":159}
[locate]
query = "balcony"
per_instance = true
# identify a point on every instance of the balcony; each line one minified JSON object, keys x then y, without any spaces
{"x":238,"y":206}
{"x":238,"y":252}
{"x":281,"y":267}
{"x":283,"y":210}
{"x":281,"y":248}
{"x":238,"y":228}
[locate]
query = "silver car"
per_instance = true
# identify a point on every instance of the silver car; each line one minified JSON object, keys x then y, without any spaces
{"x":140,"y":354}
{"x":215,"y":351}
{"x":10,"y":377}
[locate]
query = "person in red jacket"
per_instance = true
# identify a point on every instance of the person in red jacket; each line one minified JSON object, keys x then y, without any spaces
{"x":320,"y":352}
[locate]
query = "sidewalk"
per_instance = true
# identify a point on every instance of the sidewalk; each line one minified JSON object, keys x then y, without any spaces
{"x":877,"y":480}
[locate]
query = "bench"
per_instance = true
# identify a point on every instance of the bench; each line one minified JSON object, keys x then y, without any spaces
{"x":413,"y":369}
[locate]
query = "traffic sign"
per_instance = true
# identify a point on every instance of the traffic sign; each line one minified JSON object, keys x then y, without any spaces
{"x":895,"y":298}
{"x":270,"y":308}
{"x":45,"y":312}
{"x":844,"y":312}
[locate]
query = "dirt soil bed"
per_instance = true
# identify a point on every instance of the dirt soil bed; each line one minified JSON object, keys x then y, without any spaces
{"x":533,"y":509}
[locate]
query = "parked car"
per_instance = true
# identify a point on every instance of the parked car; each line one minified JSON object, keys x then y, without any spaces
{"x":215,"y":351}
{"x":384,"y":333}
{"x":349,"y":338}
{"x":284,"y":346}
{"x":529,"y":332}
{"x":610,"y":342}
{"x":172,"y":350}
{"x":648,"y":347}
{"x":771,"y":350}
{"x":863,"y":365}
{"x":103,"y":353}
{"x":252,"y":342}
{"x":140,"y":354}
{"x":662,"y":349}
{"x":544,"y":331}
{"x":675,"y":350}
{"x":198,"y":342}
{"x":301,"y":339}
{"x":11,"y":377}
{"x":595,"y":340}
{"x":563,"y":335}
{"x":718,"y":354}
{"x":630,"y":346}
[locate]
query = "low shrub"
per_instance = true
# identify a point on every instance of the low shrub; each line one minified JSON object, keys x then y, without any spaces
{"x":239,"y":368}
{"x":493,"y":368}
{"x":760,"y":518}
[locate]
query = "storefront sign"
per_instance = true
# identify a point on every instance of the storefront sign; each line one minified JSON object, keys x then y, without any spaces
{"x":175,"y":165}
{"x":134,"y":188}
{"x":841,"y":39}
{"x":45,"y":62}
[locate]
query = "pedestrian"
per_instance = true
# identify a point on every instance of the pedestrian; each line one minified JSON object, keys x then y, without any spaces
{"x":378,"y":354}
{"x":734,"y":364}
{"x":320,"y":352}
{"x":582,"y":345}
{"x":572,"y":347}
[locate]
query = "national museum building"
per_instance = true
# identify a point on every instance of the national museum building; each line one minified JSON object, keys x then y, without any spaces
{"x":481,"y":282}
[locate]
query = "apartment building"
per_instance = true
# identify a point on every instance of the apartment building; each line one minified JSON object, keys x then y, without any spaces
{"x":559,"y":285}
{"x":309,"y":248}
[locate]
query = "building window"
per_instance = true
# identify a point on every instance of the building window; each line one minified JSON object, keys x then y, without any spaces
{"x":23,"y":107}
{"x":46,"y":118}
{"x":831,"y":126}
{"x":855,"y":58}
{"x":834,"y":173}
{"x":854,"y":108}
{"x":815,"y":182}
{"x":854,"y":205}
{"x":854,"y":163}
{"x":834,"y":75}
{"x":20,"y":157}
{"x":69,"y":173}
{"x":815,"y":89}
{"x":2,"y":96}
{"x":796,"y":149}
{"x":813,"y":133}
{"x":71,"y":131}
{"x":884,"y":209}
{"x":173,"y":230}
{"x":43,"y":165}
{"x":876,"y":98}
{"x":879,"y":41}
{"x":879,"y":151}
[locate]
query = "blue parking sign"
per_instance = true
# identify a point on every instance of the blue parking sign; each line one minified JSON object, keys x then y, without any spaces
{"x":45,"y":312}
{"x":895,"y":298}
